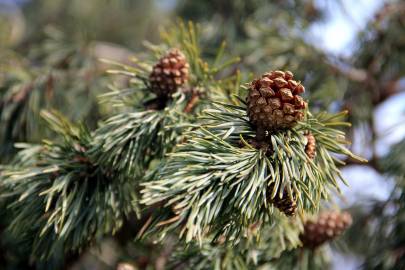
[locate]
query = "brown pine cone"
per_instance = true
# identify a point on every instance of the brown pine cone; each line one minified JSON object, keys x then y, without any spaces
{"x":169,"y":73}
{"x":286,"y":204}
{"x":310,"y":147}
{"x":327,"y":226}
{"x":274,"y":102}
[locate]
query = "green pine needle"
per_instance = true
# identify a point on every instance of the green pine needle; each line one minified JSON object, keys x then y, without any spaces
{"x":223,"y":187}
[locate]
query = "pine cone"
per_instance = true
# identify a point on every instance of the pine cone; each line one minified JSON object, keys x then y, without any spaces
{"x":274,"y":101}
{"x":169,"y":73}
{"x":310,"y":147}
{"x":326,"y":227}
{"x":286,"y":204}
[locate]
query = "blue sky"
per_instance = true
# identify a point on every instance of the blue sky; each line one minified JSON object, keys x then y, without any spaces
{"x":345,"y":19}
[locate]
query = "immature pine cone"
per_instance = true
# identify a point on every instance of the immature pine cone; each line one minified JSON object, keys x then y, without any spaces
{"x":169,"y":73}
{"x":286,"y":204}
{"x":326,"y":227}
{"x":310,"y":147}
{"x":274,"y":101}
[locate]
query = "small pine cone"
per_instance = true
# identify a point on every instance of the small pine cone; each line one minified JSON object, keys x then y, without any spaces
{"x":169,"y":73}
{"x":274,"y":101}
{"x":326,"y":227}
{"x":286,"y":204}
{"x":310,"y":147}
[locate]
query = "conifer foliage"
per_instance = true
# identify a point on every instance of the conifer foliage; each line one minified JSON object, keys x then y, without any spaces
{"x":212,"y":163}
{"x":182,"y":139}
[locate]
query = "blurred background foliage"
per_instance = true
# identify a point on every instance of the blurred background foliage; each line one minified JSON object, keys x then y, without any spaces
{"x":49,"y":51}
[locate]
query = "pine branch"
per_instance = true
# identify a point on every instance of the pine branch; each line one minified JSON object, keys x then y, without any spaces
{"x":83,"y":187}
{"x":250,"y":253}
{"x":130,"y":141}
{"x":223,"y":186}
{"x":58,"y":74}
{"x":151,"y":124}
{"x":64,"y":200}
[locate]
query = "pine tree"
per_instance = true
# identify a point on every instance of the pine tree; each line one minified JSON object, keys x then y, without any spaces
{"x":193,"y":157}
